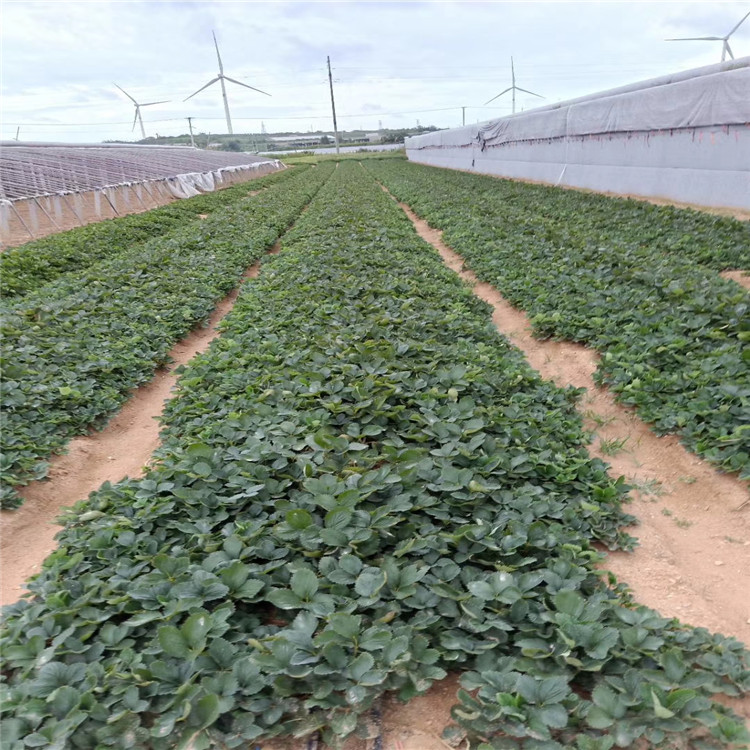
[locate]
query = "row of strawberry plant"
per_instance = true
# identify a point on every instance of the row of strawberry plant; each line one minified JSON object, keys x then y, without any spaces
{"x":73,"y":349}
{"x":361,"y":487}
{"x":717,"y":242}
{"x":28,"y":267}
{"x":673,"y":335}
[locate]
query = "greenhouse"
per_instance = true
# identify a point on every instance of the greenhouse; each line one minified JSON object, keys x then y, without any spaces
{"x":45,"y":188}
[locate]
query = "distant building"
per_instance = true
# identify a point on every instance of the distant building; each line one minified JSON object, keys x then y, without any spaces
{"x":373,"y":137}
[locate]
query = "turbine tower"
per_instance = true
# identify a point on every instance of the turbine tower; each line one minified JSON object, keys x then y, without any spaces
{"x":221,"y":78}
{"x":725,"y":48}
{"x":138,"y":117}
{"x":513,"y":89}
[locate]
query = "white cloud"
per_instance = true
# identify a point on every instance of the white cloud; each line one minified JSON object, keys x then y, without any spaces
{"x":395,"y":62}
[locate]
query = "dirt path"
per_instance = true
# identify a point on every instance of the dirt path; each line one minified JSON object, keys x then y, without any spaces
{"x":694,"y":550}
{"x":741,"y":277}
{"x":121,"y":449}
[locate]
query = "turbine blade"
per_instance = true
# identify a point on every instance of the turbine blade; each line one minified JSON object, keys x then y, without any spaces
{"x":239,"y":83}
{"x":149,"y":104}
{"x":126,"y":93}
{"x":728,"y":49}
{"x":498,"y":96}
{"x":697,"y":39}
{"x":135,"y":119}
{"x":212,"y":81}
{"x":526,"y":91}
{"x":742,"y":20}
{"x":218,"y":55}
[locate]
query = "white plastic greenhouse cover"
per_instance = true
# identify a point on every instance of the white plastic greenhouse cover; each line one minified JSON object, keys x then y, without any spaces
{"x":684,"y":137}
{"x":30,"y":170}
{"x":50,"y":187}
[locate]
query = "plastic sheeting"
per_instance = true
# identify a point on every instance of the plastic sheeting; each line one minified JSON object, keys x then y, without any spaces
{"x":29,"y":218}
{"x":684,"y":137}
{"x":188,"y":185}
{"x":29,"y":170}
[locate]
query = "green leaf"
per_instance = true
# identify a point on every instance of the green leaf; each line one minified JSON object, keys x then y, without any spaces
{"x":298,"y":519}
{"x":304,"y":584}
{"x":284,"y":599}
{"x":172,"y":642}
{"x":362,"y":664}
{"x":482,"y":590}
{"x":206,"y":711}
{"x":195,"y":629}
{"x":659,"y":710}
{"x":202,"y":469}
{"x":369,"y":582}
{"x":64,"y":700}
{"x":235,"y":575}
{"x":347,"y":626}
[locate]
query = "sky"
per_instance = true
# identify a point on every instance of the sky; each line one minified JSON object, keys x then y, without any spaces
{"x":394,"y":64}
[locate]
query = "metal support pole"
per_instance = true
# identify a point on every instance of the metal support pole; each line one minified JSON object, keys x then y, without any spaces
{"x":190,"y":125}
{"x":73,"y":211}
{"x":463,"y":115}
{"x":117,"y":213}
{"x":333,"y":106}
{"x":44,"y":211}
{"x":20,"y":218}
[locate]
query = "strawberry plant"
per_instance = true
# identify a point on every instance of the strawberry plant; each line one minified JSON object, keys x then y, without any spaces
{"x":361,"y":486}
{"x":672,"y":334}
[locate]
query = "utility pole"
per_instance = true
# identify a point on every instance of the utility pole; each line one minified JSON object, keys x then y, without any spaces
{"x":18,"y":130}
{"x":190,"y":125}
{"x":333,"y":106}
{"x":463,"y":115}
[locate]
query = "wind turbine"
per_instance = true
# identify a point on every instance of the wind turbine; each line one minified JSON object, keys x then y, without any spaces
{"x":138,"y":117}
{"x":513,"y":88}
{"x":221,"y":78}
{"x":725,"y":48}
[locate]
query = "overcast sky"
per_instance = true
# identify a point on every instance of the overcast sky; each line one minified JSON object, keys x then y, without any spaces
{"x":394,"y":63}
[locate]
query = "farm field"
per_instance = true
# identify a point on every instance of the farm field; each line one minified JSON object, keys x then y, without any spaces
{"x":361,"y":487}
{"x":673,"y":334}
{"x":74,"y":347}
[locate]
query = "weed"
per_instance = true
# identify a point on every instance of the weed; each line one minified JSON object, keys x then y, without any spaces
{"x":613,"y":446}
{"x":647,"y":487}
{"x":598,"y":419}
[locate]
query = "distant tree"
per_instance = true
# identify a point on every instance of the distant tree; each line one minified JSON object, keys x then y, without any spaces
{"x":232,"y":146}
{"x":395,"y":136}
{"x":325,"y":140}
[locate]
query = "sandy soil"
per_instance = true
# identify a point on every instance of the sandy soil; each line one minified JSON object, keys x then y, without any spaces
{"x":741,"y":277}
{"x":121,"y":449}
